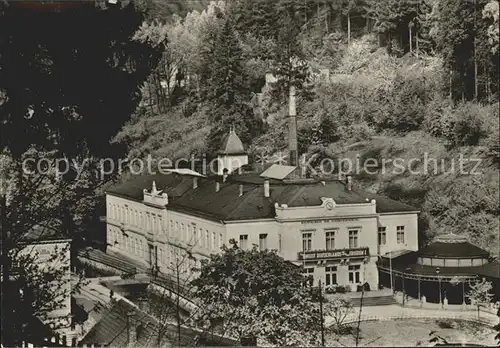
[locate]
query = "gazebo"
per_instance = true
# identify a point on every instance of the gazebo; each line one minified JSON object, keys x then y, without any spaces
{"x":442,"y":271}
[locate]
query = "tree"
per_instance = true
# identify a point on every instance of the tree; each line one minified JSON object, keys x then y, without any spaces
{"x":497,"y":326}
{"x":479,"y":294}
{"x":33,"y":285}
{"x":67,"y":95}
{"x":77,"y":89}
{"x":392,"y":20}
{"x":490,"y":12}
{"x":257,"y":296}
{"x":339,"y":308}
{"x":225,"y":87}
{"x":164,"y":301}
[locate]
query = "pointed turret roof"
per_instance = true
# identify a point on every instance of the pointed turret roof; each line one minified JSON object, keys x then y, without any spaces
{"x":232,"y":145}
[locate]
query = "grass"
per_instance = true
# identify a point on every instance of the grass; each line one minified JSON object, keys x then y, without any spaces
{"x":411,"y":333}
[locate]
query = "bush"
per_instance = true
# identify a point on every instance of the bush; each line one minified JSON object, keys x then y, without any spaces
{"x":341,"y":289}
{"x":347,"y":288}
{"x":466,"y":124}
{"x":331,"y":289}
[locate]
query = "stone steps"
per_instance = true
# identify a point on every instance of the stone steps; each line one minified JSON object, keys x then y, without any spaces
{"x":374,"y":301}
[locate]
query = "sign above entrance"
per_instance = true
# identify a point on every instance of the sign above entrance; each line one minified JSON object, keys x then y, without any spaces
{"x":326,"y":221}
{"x":333,"y":254}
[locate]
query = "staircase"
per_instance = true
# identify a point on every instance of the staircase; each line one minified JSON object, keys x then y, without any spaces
{"x":374,"y":301}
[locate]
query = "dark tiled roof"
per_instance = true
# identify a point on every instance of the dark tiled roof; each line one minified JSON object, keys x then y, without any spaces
{"x":491,"y":270}
{"x":408,"y":263}
{"x":45,"y":231}
{"x":487,"y":270}
{"x":458,"y":250}
{"x":112,"y":330}
{"x":228,"y":205}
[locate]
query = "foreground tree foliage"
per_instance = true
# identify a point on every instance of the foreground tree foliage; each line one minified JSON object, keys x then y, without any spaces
{"x":63,"y":94}
{"x":256,"y":295}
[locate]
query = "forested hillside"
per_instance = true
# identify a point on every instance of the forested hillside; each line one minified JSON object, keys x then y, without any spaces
{"x":407,"y":79}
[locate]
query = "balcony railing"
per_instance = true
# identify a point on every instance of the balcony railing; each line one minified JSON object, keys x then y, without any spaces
{"x":335,"y":254}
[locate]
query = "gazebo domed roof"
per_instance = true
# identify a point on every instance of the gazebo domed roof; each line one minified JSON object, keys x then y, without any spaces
{"x":232,"y":145}
{"x":452,"y":246}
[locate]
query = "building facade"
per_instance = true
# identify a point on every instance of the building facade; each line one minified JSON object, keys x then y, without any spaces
{"x":335,"y":232}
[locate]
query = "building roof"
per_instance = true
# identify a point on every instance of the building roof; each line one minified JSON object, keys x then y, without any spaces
{"x":277,"y":171}
{"x":232,"y":145}
{"x":227,"y":204}
{"x":407,"y":262}
{"x":452,"y":246}
{"x":490,"y":270}
{"x":44,"y":232}
{"x":112,"y":330}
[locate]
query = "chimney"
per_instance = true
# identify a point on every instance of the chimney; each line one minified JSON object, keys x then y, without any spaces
{"x":241,"y":190}
{"x":217,"y":186}
{"x":131,"y":330}
{"x":266,"y":188}
{"x":349,"y":183}
{"x":292,"y":129}
{"x":195,"y":183}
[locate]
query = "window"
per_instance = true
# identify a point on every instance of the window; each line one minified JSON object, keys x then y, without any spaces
{"x":353,"y":238}
{"x":214,"y":241}
{"x":221,"y":240}
{"x":200,"y":237}
{"x":330,"y":239}
{"x":207,"y":236}
{"x":243,"y":241}
{"x":330,"y":275}
{"x":195,"y":236}
{"x":400,"y":234}
{"x":382,"y":237}
{"x":279,"y":242}
{"x":354,"y":272}
{"x":262,"y":242}
{"x":306,"y":241}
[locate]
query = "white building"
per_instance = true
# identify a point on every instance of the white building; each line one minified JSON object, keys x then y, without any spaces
{"x":333,"y":230}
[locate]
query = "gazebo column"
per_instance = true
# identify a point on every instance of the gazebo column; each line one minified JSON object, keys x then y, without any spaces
{"x":418,"y":280}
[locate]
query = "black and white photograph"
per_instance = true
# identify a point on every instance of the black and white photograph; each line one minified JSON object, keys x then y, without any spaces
{"x":262,"y":173}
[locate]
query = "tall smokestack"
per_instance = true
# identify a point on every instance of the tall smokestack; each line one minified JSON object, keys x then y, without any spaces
{"x":292,"y":129}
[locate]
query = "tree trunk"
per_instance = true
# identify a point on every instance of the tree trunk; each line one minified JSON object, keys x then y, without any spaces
{"x":488,"y":89}
{"x":410,"y":39}
{"x":451,"y":83}
{"x":348,"y":28}
{"x":178,"y":309}
{"x":475,"y":54}
{"x":326,"y":18}
{"x":417,"y":48}
{"x":6,"y":327}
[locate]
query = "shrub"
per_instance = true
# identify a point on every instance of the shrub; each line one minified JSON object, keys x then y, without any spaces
{"x":466,"y":124}
{"x":341,"y":289}
{"x":347,"y":288}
